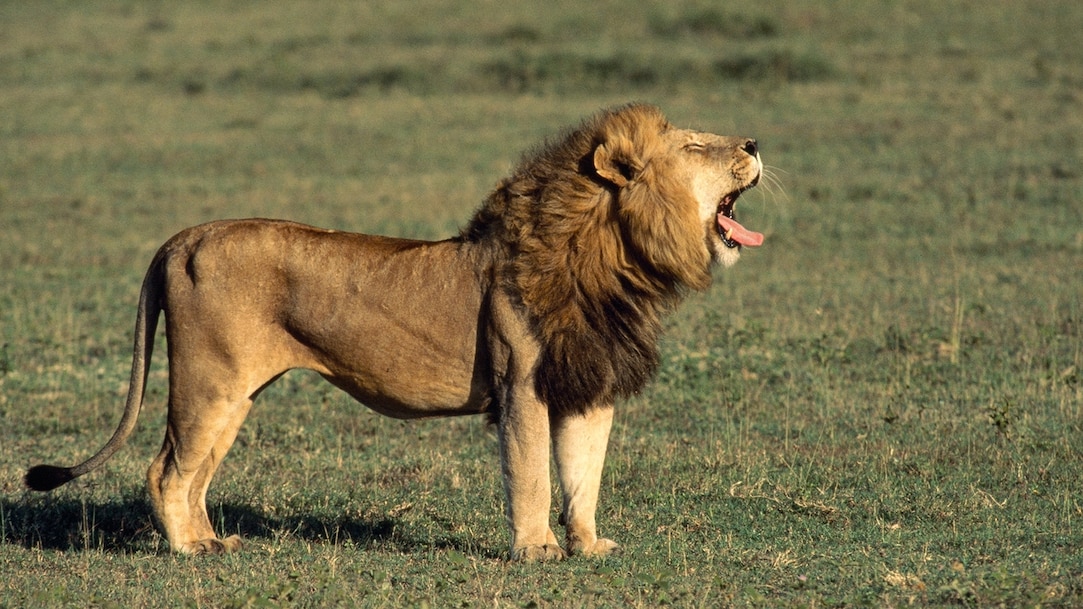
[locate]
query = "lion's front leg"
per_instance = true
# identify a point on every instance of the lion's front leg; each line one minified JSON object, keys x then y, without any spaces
{"x":524,"y":448}
{"x":579,"y":444}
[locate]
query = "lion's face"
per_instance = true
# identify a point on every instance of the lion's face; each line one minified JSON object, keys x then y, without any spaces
{"x":719,"y":169}
{"x":677,"y":190}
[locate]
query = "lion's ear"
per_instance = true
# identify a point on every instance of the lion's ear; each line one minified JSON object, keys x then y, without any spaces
{"x":616,"y":161}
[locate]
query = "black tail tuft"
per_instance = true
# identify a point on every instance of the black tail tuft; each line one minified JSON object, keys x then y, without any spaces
{"x":47,"y":477}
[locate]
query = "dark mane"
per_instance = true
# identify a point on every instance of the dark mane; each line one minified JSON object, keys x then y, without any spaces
{"x":575,"y":249}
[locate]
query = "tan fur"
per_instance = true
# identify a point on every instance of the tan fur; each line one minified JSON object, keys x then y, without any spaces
{"x":541,"y":313}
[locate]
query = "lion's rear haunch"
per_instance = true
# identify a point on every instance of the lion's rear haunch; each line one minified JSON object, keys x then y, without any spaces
{"x":47,"y":477}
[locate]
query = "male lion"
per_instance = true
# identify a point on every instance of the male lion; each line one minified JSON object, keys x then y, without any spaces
{"x":541,"y":312}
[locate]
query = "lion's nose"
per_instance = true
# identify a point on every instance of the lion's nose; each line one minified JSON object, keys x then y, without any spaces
{"x":750,"y":147}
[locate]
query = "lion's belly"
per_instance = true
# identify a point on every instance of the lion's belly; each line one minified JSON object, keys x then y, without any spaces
{"x":401,"y":368}
{"x":398,"y":331}
{"x":413,"y":396}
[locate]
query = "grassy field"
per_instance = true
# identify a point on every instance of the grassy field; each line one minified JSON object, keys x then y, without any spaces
{"x":882,"y":406}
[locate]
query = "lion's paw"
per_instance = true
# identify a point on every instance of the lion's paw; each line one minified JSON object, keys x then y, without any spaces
{"x":600,"y":547}
{"x":538,"y":553}
{"x":214,"y":546}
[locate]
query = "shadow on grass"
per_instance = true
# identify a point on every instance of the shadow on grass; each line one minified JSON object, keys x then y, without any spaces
{"x":62,"y":523}
{"x":126,"y":525}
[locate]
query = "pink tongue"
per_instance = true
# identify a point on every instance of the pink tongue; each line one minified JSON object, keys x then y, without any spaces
{"x":740,"y":234}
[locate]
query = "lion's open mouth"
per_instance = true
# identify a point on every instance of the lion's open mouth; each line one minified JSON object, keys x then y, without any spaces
{"x":730,"y":230}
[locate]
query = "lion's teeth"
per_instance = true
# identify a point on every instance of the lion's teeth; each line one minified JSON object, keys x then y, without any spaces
{"x":729,"y":235}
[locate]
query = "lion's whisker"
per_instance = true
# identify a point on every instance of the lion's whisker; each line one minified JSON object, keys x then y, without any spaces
{"x":772,"y":184}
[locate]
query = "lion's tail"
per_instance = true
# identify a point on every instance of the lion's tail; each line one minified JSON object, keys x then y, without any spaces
{"x":48,"y":477}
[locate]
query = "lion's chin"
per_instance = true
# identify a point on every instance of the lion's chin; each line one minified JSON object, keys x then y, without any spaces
{"x":728,"y":257}
{"x":721,"y":254}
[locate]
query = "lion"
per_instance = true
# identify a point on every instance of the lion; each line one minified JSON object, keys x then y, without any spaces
{"x":541,"y":313}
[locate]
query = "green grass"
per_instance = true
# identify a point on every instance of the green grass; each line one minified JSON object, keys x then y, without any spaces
{"x":882,"y":406}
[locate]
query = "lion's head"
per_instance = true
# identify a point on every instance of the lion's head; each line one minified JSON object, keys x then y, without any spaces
{"x":602,"y":230}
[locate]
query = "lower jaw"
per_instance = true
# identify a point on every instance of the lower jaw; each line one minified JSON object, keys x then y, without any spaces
{"x":725,"y":256}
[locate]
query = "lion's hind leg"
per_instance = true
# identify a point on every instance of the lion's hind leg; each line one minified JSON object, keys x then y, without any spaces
{"x":195,"y":443}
